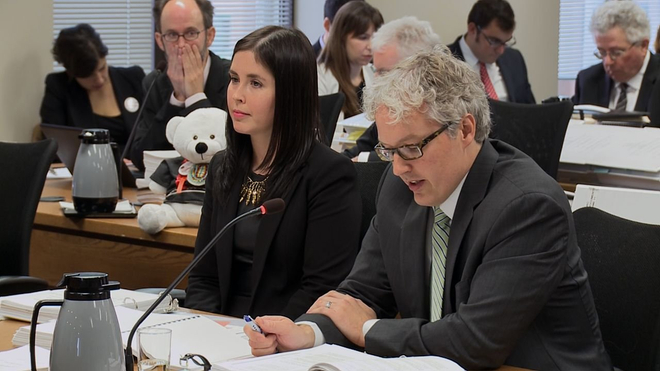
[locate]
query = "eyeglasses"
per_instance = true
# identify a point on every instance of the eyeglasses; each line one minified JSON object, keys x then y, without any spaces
{"x":409,"y":151}
{"x":197,"y":359}
{"x":173,"y":37}
{"x":614,"y":54}
{"x":495,"y":42}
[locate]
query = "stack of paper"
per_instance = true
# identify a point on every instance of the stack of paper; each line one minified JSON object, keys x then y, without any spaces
{"x":190,"y":334}
{"x":348,"y":131}
{"x":20,"y":306}
{"x":153,"y":158}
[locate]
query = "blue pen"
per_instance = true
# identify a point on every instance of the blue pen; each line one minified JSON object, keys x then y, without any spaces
{"x":248,"y":319}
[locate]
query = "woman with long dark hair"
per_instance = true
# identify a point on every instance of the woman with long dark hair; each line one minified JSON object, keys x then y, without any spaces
{"x":275,"y":263}
{"x":344,"y":63}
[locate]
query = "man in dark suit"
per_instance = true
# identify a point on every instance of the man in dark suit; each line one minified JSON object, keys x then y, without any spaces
{"x":195,"y":76}
{"x":394,"y":41}
{"x":330,"y":8}
{"x":486,"y":47}
{"x":473,"y":245}
{"x":626,"y":77}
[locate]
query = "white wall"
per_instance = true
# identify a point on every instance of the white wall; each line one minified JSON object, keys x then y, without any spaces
{"x":537,"y":30}
{"x":26,"y":29}
{"x":308,"y":17}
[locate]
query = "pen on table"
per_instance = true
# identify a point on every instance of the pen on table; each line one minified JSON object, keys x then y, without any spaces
{"x":248,"y":319}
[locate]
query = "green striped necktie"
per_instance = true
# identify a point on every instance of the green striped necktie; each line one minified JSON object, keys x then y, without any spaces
{"x":440,"y":241}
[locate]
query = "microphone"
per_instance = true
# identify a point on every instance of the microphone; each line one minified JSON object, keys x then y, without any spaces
{"x":160,"y":67}
{"x":273,"y":206}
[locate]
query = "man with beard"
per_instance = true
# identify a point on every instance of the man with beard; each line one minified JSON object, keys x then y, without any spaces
{"x":194,"y":78}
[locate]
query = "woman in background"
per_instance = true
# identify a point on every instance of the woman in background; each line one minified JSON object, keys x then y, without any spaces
{"x":89,"y":93}
{"x":344,"y":63}
{"x":280,"y":263}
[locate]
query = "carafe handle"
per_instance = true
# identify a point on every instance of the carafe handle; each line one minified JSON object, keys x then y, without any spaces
{"x":33,"y":327}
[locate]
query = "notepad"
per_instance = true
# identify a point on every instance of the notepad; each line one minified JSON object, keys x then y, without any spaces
{"x":336,"y":358}
{"x":20,"y":306}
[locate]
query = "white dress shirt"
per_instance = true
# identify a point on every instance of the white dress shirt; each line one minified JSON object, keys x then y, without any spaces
{"x":492,"y":68}
{"x":634,"y":84}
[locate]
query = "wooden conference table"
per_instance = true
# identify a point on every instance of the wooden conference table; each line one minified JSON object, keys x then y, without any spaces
{"x":116,"y":246}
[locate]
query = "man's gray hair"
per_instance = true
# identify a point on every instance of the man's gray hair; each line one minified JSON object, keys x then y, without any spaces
{"x":435,"y":84}
{"x":408,"y":34}
{"x":626,"y":14}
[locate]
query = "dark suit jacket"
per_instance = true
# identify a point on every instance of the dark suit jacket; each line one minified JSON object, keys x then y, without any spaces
{"x":150,"y":133}
{"x":317,"y":47}
{"x":66,"y":103}
{"x":516,"y":291}
{"x":514,"y":73}
{"x":301,"y":253}
{"x":593,"y":86}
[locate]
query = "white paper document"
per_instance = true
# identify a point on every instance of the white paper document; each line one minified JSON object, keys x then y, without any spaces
{"x":20,"y":306}
{"x":615,"y":147}
{"x":18,"y":359}
{"x":632,"y":204}
{"x":336,"y":358}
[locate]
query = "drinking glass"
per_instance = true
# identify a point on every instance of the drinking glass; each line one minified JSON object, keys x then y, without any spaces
{"x":154,"y":346}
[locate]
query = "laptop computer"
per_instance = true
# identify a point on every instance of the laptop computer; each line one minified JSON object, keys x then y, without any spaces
{"x":67,"y":149}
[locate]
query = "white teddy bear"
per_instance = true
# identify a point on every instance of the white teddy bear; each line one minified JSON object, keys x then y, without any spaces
{"x":197,"y":137}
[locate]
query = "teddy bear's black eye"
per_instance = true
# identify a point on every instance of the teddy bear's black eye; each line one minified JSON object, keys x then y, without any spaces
{"x":195,"y":137}
{"x":212,"y":136}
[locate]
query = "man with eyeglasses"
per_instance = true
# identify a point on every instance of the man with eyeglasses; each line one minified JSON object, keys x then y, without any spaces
{"x":472,"y":245}
{"x":194,"y":78}
{"x":486,"y":47}
{"x":628,"y":72}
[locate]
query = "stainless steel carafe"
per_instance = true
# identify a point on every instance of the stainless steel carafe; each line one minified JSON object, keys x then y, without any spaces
{"x":95,"y":187}
{"x":87,"y":334}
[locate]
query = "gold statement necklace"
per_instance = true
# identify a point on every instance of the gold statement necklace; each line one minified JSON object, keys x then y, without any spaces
{"x":252,"y":191}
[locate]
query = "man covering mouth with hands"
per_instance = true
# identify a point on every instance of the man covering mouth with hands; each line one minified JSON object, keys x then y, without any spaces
{"x":194,"y":78}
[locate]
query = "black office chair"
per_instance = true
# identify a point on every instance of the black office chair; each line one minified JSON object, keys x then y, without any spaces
{"x":330,"y":108}
{"x":368,"y":177}
{"x":536,"y":129}
{"x":26,"y":166}
{"x":654,"y":109}
{"x":622,"y":259}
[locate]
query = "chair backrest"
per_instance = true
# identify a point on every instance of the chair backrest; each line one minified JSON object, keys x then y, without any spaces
{"x":25,"y":166}
{"x":536,"y":129}
{"x":654,"y":108}
{"x":330,"y":108}
{"x":368,"y":177}
{"x":622,"y":258}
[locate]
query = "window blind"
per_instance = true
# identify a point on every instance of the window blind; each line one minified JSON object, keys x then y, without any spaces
{"x":125,"y":27}
{"x":576,"y":43}
{"x":235,"y":19}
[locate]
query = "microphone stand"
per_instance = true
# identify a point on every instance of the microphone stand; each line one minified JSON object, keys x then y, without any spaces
{"x":278,"y":205}
{"x":131,"y":136}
